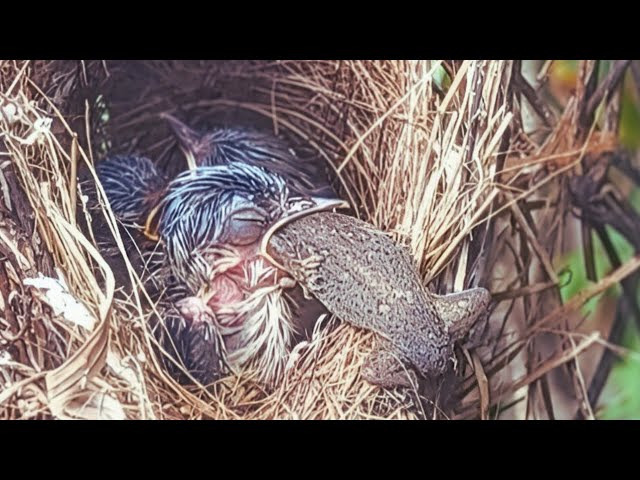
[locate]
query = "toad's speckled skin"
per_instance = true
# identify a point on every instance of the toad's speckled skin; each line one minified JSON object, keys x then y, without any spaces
{"x":365,"y":279}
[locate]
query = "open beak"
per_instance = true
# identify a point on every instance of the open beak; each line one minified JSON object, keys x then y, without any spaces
{"x":319,"y":204}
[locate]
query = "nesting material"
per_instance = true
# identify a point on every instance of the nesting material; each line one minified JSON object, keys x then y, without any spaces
{"x":427,"y":151}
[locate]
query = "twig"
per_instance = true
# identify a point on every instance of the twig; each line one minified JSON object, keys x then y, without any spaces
{"x":523,"y":291}
{"x":15,"y":388}
{"x":606,"y":88}
{"x":483,"y":386}
{"x":542,"y":254}
{"x":73,"y":180}
{"x":600,"y":207}
{"x":622,"y":161}
{"x":17,"y":78}
{"x":549,"y":365}
{"x":542,"y":74}
{"x":632,"y":265}
{"x":579,"y":385}
{"x":635,"y":72}
{"x":541,"y":109}
{"x":587,"y":247}
{"x":587,"y":81}
{"x":601,"y":375}
{"x":546,"y":366}
{"x":546,"y":397}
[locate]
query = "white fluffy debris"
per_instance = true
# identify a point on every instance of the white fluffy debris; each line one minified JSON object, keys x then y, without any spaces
{"x":295,"y":355}
{"x":9,"y":113}
{"x":95,"y":406}
{"x":125,"y":372}
{"x":5,"y":358}
{"x":41,"y":127}
{"x":57,"y":296}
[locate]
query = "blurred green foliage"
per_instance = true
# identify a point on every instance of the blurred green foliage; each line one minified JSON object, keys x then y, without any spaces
{"x":629,"y":117}
{"x":441,"y":78}
{"x":575,"y":262}
{"x":621,"y":397}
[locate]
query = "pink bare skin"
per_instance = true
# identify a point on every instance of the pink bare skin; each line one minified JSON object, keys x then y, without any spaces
{"x":195,"y":310}
{"x":228,"y":287}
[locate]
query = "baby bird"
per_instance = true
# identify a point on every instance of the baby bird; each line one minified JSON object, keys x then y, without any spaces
{"x":224,"y":306}
{"x":226,"y":145}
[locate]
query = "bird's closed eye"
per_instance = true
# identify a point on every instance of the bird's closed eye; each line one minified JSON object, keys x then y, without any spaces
{"x":245,"y":227}
{"x":250,"y":215}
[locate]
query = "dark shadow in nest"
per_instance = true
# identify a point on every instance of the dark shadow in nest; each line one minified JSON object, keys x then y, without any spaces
{"x":126,"y":99}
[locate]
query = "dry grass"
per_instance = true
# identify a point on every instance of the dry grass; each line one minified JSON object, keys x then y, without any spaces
{"x":427,"y":163}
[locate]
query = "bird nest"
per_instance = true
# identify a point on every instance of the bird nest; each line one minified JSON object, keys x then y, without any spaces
{"x":432,"y":152}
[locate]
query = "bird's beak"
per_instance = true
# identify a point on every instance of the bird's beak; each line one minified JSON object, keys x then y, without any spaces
{"x":189,"y":141}
{"x":299,"y":210}
{"x":312,"y":205}
{"x":151,"y":225}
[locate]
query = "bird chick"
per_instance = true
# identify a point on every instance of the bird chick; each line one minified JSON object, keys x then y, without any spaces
{"x":223,"y":304}
{"x":226,"y":145}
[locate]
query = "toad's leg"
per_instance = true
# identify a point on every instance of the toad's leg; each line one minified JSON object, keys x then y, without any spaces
{"x":384,"y":369}
{"x":306,"y":272}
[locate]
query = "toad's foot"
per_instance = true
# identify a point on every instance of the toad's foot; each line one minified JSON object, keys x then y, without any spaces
{"x":479,"y":332}
{"x":306,"y":272}
{"x":384,"y":369}
{"x":460,"y":311}
{"x":307,"y":268}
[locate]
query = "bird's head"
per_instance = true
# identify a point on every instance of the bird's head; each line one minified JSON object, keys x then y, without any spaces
{"x":133,"y":186}
{"x":225,"y":208}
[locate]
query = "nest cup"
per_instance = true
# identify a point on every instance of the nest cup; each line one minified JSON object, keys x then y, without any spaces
{"x":415,"y":146}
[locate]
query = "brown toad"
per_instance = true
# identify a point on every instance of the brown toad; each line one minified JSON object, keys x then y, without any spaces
{"x":366,"y":279}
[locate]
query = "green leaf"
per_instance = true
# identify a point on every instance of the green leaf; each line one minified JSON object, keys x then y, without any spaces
{"x":441,"y":78}
{"x":621,"y":396}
